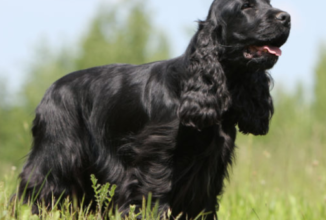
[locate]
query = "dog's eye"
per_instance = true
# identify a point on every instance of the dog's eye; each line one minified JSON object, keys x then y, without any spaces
{"x":246,"y":5}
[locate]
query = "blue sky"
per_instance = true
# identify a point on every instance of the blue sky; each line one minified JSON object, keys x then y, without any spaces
{"x":23,"y":24}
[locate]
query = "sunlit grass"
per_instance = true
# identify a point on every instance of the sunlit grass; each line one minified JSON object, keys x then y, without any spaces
{"x":269,"y":206}
{"x":280,"y":179}
{"x":14,"y":209}
{"x":281,"y":176}
{"x":266,"y":184}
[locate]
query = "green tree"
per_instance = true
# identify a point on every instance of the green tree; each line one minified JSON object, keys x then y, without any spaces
{"x":11,"y":131}
{"x":122,"y":33}
{"x":114,"y":39}
{"x":3,"y":111}
{"x":110,"y":38}
{"x":319,"y":105}
{"x":48,"y":66}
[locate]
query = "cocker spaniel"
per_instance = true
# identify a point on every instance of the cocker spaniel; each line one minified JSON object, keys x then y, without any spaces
{"x":166,"y":127}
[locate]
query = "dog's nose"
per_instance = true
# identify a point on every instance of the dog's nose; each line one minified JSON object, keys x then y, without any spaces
{"x":284,"y":18}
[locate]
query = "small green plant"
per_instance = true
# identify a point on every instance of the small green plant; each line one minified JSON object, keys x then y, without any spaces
{"x":103,"y":194}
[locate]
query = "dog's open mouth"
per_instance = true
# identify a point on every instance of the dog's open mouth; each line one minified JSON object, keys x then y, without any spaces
{"x":258,"y":51}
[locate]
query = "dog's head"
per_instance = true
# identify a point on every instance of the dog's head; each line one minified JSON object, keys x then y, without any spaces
{"x":250,"y":32}
{"x":238,"y":41}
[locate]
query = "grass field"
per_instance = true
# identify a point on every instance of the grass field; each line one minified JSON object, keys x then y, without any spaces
{"x":266,"y":183}
{"x":273,"y":183}
{"x":281,"y":176}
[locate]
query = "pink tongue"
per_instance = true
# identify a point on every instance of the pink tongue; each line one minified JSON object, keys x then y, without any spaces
{"x":273,"y":50}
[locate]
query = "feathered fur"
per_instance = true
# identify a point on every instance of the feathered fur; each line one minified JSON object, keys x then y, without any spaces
{"x":166,"y":127}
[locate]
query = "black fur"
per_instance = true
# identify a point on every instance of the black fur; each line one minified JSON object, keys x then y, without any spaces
{"x":166,"y":127}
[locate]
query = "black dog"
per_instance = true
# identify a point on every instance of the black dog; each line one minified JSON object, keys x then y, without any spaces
{"x":166,"y":127}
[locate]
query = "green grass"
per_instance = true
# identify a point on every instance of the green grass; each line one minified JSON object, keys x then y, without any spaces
{"x":281,"y":176}
{"x":266,"y":184}
{"x":269,"y":206}
{"x":279,"y":179}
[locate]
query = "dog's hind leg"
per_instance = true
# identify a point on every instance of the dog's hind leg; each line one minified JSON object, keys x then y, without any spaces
{"x":59,"y":153}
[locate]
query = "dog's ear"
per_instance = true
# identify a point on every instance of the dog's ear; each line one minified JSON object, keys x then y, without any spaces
{"x":204,"y":95}
{"x":253,"y":104}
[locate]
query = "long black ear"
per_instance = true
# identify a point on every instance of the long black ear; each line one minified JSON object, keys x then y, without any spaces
{"x":204,"y":95}
{"x":252,"y":103}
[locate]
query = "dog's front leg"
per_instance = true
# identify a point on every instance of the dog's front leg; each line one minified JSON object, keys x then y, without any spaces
{"x":149,"y":158}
